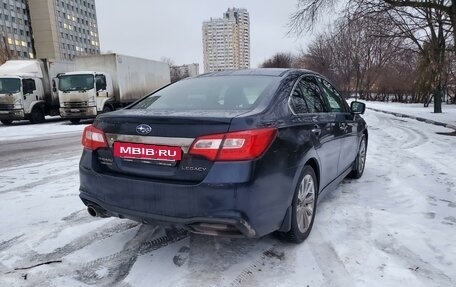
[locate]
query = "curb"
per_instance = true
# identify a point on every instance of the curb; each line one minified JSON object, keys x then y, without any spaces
{"x":416,"y":118}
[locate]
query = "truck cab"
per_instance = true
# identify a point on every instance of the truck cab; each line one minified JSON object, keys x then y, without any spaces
{"x":21,"y":98}
{"x":85,"y":94}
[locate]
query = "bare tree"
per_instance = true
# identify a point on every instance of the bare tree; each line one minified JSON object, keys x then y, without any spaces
{"x":176,"y":73}
{"x":421,"y":24}
{"x":351,"y":56}
{"x":279,"y":60}
{"x":425,"y":30}
{"x":168,"y":61}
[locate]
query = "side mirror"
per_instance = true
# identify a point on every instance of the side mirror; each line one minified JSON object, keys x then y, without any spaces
{"x":357,"y":108}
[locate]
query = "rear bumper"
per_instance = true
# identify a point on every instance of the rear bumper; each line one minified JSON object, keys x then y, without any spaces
{"x":252,"y":207}
{"x":12,"y":114}
{"x":78,"y":112}
{"x":234,"y":227}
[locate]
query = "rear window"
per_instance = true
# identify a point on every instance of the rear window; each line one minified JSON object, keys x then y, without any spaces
{"x":210,"y":93}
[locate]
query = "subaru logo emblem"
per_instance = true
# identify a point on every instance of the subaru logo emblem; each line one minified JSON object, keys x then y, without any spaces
{"x":143,"y":129}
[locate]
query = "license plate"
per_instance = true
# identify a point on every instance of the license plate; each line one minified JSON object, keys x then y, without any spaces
{"x":146,"y":151}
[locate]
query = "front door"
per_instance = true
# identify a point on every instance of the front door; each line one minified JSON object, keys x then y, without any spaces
{"x":345,"y":123}
{"x":29,"y":94}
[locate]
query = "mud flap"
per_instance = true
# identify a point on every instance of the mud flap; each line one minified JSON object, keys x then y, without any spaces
{"x":286,"y":223}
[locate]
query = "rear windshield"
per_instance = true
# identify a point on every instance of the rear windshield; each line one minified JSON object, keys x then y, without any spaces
{"x":210,"y":93}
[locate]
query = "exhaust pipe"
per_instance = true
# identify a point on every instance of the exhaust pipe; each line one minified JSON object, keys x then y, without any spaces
{"x":92,"y":211}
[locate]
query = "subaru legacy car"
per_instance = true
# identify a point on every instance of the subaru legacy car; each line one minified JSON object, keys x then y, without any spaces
{"x":235,"y":153}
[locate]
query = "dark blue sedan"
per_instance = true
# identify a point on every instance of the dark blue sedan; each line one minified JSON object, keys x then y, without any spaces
{"x":235,"y":153}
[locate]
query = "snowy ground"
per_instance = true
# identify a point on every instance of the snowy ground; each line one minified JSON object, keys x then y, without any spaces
{"x":396,"y":226}
{"x":53,"y":126}
{"x":447,"y":116}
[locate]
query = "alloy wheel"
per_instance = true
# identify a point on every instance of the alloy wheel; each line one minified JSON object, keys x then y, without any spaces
{"x":306,"y":203}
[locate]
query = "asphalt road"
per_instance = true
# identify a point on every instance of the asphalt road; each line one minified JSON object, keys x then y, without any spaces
{"x":25,"y":151}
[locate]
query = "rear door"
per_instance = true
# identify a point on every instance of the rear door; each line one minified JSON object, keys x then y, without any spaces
{"x":345,"y":123}
{"x":311,"y":110}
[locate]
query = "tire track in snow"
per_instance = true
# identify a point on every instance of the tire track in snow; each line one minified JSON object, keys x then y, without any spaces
{"x":255,"y":266}
{"x":332,"y":267}
{"x":32,"y":175}
{"x":31,"y":257}
{"x":118,"y":264}
{"x":33,"y":184}
{"x":439,"y":172}
{"x":416,"y":138}
{"x":438,"y":191}
{"x":422,"y":269}
{"x":10,"y":242}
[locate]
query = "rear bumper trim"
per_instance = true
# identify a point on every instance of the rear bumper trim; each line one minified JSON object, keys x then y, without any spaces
{"x":240,"y":224}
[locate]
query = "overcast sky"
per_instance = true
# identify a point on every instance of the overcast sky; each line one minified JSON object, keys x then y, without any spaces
{"x":172,"y":28}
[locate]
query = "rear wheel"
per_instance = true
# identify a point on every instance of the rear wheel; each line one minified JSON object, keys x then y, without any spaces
{"x":303,"y":207}
{"x":360,"y":162}
{"x":37,"y":115}
{"x":75,"y":121}
{"x":107,"y":109}
{"x":7,"y":122}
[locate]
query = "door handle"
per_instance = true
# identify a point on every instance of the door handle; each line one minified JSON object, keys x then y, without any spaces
{"x":316,"y":130}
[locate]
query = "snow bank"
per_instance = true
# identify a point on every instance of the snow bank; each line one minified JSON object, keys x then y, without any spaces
{"x":448,"y":115}
{"x":24,"y":130}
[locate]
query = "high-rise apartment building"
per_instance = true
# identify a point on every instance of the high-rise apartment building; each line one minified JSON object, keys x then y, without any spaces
{"x":15,"y":29}
{"x":56,"y":29}
{"x":226,"y":41}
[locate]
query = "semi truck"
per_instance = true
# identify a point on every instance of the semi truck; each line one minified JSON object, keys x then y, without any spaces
{"x":28,"y":89}
{"x":103,"y":83}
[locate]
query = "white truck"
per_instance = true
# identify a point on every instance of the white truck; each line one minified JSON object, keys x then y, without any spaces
{"x":28,"y":89}
{"x":106,"y":82}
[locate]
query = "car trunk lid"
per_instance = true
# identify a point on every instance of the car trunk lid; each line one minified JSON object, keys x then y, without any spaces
{"x":169,"y":131}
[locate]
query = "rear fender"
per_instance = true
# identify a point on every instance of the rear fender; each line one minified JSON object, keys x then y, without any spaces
{"x":309,"y":155}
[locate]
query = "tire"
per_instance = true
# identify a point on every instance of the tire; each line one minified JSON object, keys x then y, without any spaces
{"x":37,"y":116}
{"x":7,"y":122}
{"x":360,"y":161}
{"x":301,"y":220}
{"x":75,"y":121}
{"x":106,"y":109}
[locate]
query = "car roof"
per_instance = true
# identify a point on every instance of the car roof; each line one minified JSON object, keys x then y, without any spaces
{"x":275,"y":72}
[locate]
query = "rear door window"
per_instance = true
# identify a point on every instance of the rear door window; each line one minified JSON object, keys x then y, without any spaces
{"x":297,"y":102}
{"x":306,"y":97}
{"x":312,"y":95}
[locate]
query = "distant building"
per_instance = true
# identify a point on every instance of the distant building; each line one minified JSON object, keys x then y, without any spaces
{"x":184,"y":71}
{"x":15,"y":30}
{"x":56,"y":29}
{"x":226,"y":41}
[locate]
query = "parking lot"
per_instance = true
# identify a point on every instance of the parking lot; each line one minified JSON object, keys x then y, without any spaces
{"x":395,"y":226}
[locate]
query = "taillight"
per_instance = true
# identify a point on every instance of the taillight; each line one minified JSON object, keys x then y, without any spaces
{"x":93,"y":138}
{"x":243,"y":145}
